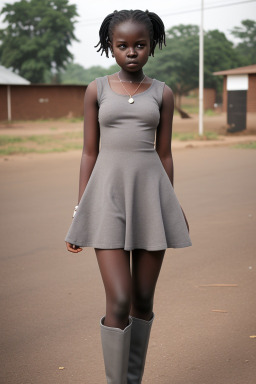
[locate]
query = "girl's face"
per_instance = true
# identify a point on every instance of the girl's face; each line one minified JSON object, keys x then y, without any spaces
{"x":131,"y":45}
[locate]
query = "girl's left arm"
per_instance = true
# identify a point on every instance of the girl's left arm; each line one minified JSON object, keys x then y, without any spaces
{"x":164,"y":132}
{"x":164,"y":136}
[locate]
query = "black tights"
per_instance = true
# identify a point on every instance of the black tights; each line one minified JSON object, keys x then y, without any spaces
{"x":128,"y":293}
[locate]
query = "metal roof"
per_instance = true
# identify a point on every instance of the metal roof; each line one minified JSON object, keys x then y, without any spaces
{"x":238,"y":71}
{"x":8,"y":77}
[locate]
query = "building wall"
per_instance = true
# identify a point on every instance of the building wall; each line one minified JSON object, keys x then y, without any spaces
{"x":31,"y":102}
{"x":251,"y":94}
{"x":209,"y":98}
{"x":3,"y":102}
{"x":225,"y":95}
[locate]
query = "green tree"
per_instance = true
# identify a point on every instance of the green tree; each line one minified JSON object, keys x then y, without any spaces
{"x":178,"y":63}
{"x":219,"y":54}
{"x":246,"y":48}
{"x":37,"y":37}
{"x":77,"y":74}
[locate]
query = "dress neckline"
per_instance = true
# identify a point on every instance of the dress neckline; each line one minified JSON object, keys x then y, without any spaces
{"x":136,"y":94}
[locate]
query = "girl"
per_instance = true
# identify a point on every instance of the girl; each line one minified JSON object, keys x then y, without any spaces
{"x":126,"y":199}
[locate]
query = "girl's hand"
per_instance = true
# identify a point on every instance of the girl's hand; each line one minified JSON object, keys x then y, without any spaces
{"x":185,"y":219}
{"x":73,"y":248}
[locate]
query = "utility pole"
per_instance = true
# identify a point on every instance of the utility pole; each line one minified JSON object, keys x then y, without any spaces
{"x":201,"y":71}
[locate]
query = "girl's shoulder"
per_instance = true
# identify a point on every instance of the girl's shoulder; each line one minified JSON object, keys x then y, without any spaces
{"x":158,"y":81}
{"x":100,"y":80}
{"x":101,"y":83}
{"x":163,"y":93}
{"x":91,"y":87}
{"x":158,"y":90}
{"x":165,"y":88}
{"x":159,"y":84}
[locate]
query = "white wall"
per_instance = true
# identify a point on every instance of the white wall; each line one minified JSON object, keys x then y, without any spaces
{"x":237,"y":82}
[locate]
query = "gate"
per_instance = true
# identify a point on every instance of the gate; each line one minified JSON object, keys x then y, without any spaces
{"x":237,"y":86}
{"x":237,"y":110}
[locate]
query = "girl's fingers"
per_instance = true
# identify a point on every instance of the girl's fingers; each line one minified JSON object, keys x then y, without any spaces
{"x":73,"y":248}
{"x":76,"y":248}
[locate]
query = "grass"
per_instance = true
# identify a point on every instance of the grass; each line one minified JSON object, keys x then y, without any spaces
{"x":195,"y":136}
{"x":4,"y":140}
{"x":11,"y":145}
{"x":190,"y":109}
{"x":11,"y":150}
{"x":210,"y":112}
{"x":66,"y":141}
{"x":250,"y":145}
{"x":193,"y":109}
{"x":52,"y":120}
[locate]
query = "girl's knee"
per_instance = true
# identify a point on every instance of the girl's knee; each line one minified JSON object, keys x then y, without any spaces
{"x":143,"y":302}
{"x":119,"y":306}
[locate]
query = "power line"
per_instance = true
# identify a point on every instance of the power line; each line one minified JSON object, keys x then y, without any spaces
{"x":90,"y":22}
{"x":209,"y":7}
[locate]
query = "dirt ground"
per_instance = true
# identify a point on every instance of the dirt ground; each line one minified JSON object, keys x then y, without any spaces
{"x":65,"y":135}
{"x":52,"y":300}
{"x":216,"y":123}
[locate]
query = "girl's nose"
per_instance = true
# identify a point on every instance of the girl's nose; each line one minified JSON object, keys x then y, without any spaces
{"x":132,"y":52}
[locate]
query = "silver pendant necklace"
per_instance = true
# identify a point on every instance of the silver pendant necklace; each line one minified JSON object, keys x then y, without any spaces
{"x":131,"y":100}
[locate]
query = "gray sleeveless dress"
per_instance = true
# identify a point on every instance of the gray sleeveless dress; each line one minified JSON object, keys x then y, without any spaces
{"x":129,"y":201}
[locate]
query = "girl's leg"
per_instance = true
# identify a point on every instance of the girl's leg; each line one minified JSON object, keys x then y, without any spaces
{"x":115,"y":327}
{"x":146,"y":266}
{"x":114,"y":266}
{"x":145,"y":272}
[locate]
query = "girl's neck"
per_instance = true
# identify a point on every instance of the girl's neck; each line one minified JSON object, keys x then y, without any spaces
{"x":134,"y":77}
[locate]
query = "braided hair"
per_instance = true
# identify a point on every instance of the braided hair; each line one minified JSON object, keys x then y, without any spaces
{"x":151,"y":20}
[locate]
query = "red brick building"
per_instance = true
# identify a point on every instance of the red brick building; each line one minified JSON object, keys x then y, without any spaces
{"x":41,"y":101}
{"x":21,"y":100}
{"x":244,"y":77}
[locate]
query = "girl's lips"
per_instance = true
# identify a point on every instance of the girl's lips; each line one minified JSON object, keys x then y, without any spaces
{"x":132,"y":63}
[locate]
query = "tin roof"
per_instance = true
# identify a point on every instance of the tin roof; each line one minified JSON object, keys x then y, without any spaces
{"x":238,"y":71}
{"x":9,"y":77}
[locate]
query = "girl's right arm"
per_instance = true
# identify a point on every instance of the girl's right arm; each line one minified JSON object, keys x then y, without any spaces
{"x":91,"y":137}
{"x":91,"y":145}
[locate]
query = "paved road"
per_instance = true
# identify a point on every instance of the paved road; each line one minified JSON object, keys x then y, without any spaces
{"x":51,"y":300}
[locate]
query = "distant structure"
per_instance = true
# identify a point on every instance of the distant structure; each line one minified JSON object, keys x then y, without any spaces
{"x":8,"y":78}
{"x":20,"y":100}
{"x":239,"y":95}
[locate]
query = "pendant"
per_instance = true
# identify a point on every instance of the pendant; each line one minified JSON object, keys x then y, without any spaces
{"x":131,"y":101}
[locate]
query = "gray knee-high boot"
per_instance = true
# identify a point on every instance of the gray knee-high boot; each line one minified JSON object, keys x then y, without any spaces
{"x":115,"y":347}
{"x":138,"y":349}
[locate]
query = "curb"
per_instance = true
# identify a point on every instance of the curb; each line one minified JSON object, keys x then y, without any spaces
{"x":223,"y":141}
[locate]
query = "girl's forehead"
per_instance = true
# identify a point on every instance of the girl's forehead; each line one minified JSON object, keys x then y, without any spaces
{"x":130,"y":29}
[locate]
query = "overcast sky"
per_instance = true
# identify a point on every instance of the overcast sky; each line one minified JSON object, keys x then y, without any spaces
{"x":92,"y":13}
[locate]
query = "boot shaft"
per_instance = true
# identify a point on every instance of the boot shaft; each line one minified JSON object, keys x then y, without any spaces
{"x":140,"y":335}
{"x":115,"y":347}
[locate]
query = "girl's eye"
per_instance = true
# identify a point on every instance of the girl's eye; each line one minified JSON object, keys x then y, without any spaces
{"x":123,"y":46}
